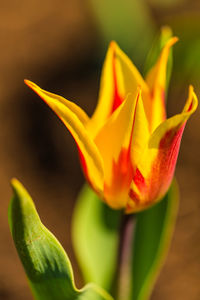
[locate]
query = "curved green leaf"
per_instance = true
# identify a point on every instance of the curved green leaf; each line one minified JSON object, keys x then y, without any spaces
{"x":46,"y":264}
{"x":96,"y":238}
{"x":153,"y":233}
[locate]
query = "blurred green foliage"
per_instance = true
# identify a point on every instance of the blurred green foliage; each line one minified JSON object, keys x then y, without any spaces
{"x":127,"y":22}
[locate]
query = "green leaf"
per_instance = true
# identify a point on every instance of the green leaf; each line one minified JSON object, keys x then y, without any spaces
{"x":46,"y":264}
{"x":153,"y":233}
{"x":96,"y":238}
{"x":160,"y":41}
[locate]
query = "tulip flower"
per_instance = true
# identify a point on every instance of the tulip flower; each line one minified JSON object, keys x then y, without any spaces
{"x":128,"y":149}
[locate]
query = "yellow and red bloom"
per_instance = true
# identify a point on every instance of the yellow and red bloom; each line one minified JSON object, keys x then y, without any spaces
{"x":128,"y":149}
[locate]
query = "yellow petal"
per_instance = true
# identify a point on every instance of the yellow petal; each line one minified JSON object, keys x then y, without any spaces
{"x":119,"y":77}
{"x":140,"y":133}
{"x":129,"y":78}
{"x":113,"y":142}
{"x":158,"y":161}
{"x":172,"y":125}
{"x":156,"y":80}
{"x":176,"y":121}
{"x":83,"y":117}
{"x":74,"y":118}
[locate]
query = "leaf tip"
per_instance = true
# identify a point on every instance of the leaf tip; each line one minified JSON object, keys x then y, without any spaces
{"x":15,"y":183}
{"x":17,"y":187}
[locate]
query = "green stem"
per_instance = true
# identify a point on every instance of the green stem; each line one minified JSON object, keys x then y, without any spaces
{"x":125,"y":249}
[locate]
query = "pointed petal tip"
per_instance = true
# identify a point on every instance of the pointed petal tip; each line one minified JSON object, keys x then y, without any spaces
{"x":30,"y":84}
{"x":114,"y":47}
{"x":176,"y":122}
{"x":113,"y":44}
{"x":173,"y":40}
{"x":192,"y":102}
{"x":26,"y":81}
{"x":192,"y":92}
{"x":36,"y":89}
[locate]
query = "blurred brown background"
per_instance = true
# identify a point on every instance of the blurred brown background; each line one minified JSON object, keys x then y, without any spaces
{"x":61,"y":45}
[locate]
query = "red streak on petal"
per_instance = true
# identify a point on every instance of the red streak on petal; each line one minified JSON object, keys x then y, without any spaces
{"x":169,"y":149}
{"x":83,"y":164}
{"x":117,"y":99}
{"x":162,"y":171}
{"x":122,"y":174}
{"x":139,"y":179}
{"x":167,"y":139}
{"x":134,"y":196}
{"x":122,"y":169}
{"x":137,"y":176}
{"x":190,"y":107}
{"x":165,"y":162}
{"x":140,"y":182}
{"x":163,"y":96}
